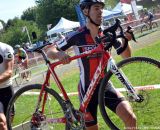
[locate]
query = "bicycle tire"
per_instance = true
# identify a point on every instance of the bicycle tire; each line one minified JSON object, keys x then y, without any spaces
{"x":141,"y":71}
{"x":24,"y":113}
{"x":29,"y":75}
{"x":154,"y":24}
{"x":18,"y":80}
{"x":144,"y":28}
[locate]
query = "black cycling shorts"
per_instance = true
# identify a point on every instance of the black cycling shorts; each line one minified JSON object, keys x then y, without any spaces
{"x":5,"y":96}
{"x":111,"y":101}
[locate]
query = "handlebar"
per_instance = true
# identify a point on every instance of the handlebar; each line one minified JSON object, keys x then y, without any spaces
{"x":110,"y":37}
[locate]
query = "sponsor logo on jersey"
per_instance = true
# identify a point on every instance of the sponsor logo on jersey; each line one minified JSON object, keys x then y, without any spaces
{"x":8,"y":56}
{"x":1,"y":59}
{"x":88,"y":48}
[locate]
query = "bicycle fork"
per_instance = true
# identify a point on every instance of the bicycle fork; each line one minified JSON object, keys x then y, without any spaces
{"x":123,"y":79}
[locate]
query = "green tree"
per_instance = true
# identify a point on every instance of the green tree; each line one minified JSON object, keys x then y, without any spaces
{"x":110,"y":4}
{"x":50,"y":11}
{"x":3,"y":23}
{"x":14,"y":35}
{"x":29,"y":14}
{"x":149,"y":3}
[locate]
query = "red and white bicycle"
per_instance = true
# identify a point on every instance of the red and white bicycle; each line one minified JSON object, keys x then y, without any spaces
{"x":40,"y":107}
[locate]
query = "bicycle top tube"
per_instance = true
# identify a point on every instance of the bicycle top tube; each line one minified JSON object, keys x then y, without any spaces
{"x":98,"y":49}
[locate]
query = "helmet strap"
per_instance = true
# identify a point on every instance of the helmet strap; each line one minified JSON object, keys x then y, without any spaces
{"x":91,"y":19}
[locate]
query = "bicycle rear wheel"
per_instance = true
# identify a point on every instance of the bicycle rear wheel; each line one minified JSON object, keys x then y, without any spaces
{"x":143,"y":73}
{"x":144,"y":28}
{"x":154,"y":24}
{"x":25,"y":100}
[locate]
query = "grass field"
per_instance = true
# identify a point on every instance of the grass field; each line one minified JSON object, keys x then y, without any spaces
{"x":147,"y":113}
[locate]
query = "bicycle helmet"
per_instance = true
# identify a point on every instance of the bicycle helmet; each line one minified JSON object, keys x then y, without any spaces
{"x":17,"y":46}
{"x":88,"y":3}
{"x":131,"y":30}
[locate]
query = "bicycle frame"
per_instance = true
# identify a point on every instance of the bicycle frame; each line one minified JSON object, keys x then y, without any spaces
{"x":106,"y":60}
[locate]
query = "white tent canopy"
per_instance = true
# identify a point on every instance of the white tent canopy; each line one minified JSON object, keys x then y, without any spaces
{"x":125,"y":8}
{"x":110,"y":14}
{"x":63,"y":25}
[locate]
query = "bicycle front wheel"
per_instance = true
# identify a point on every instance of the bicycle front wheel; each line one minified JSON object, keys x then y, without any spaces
{"x":144,"y":28}
{"x":24,"y":103}
{"x":19,"y":79}
{"x":143,"y":73}
{"x":154,"y":24}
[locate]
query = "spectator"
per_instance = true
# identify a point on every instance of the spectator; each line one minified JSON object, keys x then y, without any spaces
{"x":6,"y":90}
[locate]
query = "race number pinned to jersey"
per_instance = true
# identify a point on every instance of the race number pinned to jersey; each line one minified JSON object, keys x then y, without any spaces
{"x":8,"y":56}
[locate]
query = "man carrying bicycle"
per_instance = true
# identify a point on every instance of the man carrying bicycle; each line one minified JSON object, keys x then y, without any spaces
{"x":83,"y":40}
{"x":6,"y":69}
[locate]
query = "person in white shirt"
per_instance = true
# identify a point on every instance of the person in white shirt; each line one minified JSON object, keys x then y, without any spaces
{"x":6,"y":89}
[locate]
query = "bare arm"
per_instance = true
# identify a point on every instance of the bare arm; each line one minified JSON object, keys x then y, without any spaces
{"x":8,"y":70}
{"x":53,"y":53}
{"x":127,"y":52}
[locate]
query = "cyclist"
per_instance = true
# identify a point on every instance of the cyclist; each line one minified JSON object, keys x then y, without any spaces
{"x":148,"y":17}
{"x":83,"y":40}
{"x":6,"y":91}
{"x":22,"y":56}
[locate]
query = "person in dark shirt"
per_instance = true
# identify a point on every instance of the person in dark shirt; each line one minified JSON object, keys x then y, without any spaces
{"x":6,"y":88}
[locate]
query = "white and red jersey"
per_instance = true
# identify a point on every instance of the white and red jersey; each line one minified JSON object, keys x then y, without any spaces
{"x":6,"y":53}
{"x":82,"y":41}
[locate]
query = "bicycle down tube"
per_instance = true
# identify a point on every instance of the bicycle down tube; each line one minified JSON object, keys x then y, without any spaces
{"x":121,"y":76}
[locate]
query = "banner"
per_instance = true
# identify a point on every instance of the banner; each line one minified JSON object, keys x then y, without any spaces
{"x":126,"y":1}
{"x":135,"y":10}
{"x":81,"y":17}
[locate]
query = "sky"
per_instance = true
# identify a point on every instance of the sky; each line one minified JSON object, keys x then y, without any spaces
{"x":14,"y":8}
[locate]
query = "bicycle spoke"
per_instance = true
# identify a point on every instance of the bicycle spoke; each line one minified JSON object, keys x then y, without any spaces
{"x":143,"y":75}
{"x":53,"y":117}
